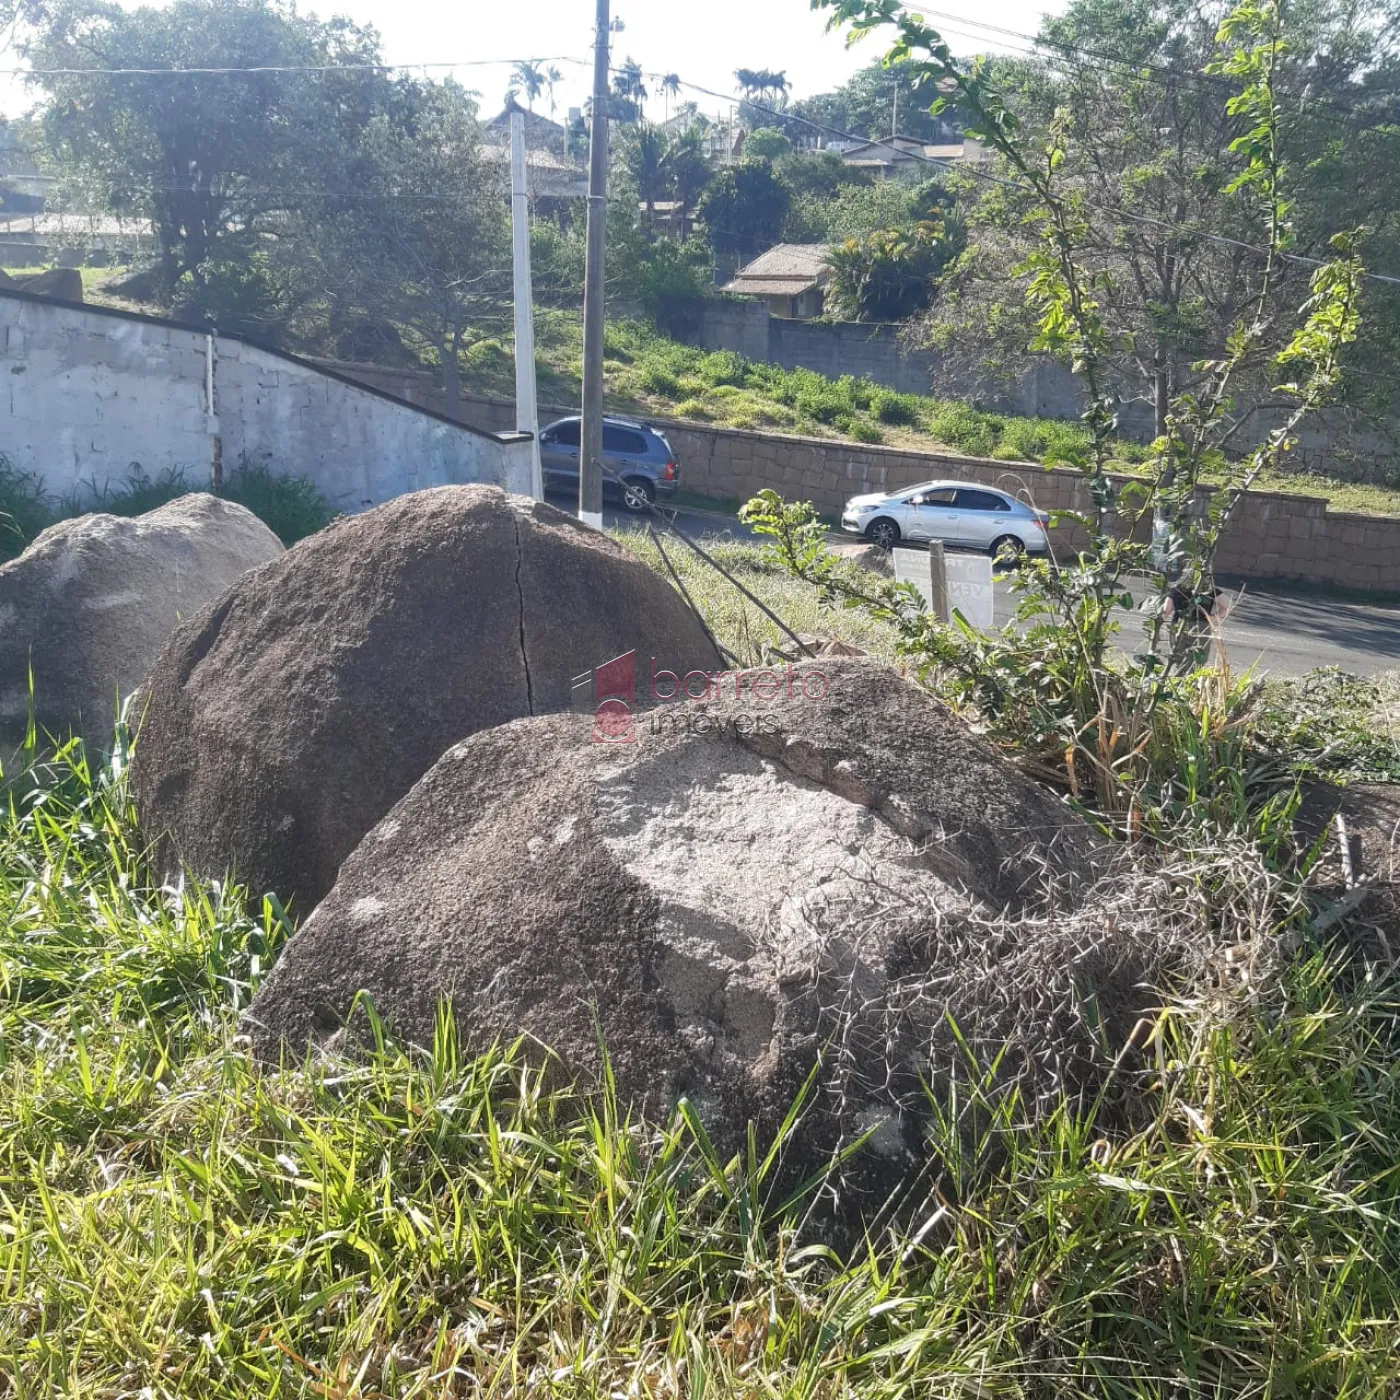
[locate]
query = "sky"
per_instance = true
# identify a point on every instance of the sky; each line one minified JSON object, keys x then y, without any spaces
{"x":703,"y":41}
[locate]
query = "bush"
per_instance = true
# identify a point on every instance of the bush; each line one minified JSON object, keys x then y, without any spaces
{"x":655,"y":380}
{"x":898,"y":410}
{"x":290,"y":506}
{"x":722,"y":367}
{"x":861,"y":431}
{"x":965,"y":428}
{"x":25,"y":508}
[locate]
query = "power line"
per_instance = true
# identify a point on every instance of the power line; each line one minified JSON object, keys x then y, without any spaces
{"x":232,"y":71}
{"x":1190,"y":77}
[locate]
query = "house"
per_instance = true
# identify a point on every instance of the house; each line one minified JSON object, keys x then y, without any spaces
{"x":547,"y":176}
{"x":893,"y":155}
{"x":541,"y":134}
{"x":791,"y":278}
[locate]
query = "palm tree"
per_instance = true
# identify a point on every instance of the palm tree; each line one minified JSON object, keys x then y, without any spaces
{"x":644,"y":152}
{"x":530,"y":78}
{"x":670,"y":87}
{"x":551,"y":76}
{"x":689,"y":171}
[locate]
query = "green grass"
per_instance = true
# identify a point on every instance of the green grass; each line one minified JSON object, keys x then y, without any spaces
{"x":648,"y":374}
{"x":175,"y":1223}
{"x":735,"y":621}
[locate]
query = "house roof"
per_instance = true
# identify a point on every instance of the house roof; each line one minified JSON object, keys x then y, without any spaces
{"x":785,"y":271}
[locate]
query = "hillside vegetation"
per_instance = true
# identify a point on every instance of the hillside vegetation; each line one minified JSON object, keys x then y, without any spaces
{"x":648,"y":373}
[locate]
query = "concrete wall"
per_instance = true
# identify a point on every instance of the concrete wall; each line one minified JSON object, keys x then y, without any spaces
{"x":85,"y":393}
{"x":1272,"y":535}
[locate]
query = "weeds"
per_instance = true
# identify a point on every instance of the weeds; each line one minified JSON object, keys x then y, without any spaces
{"x":176,"y":1223}
{"x":290,"y":506}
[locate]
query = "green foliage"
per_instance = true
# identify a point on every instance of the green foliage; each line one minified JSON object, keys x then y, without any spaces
{"x":767,"y":143}
{"x":138,"y":494}
{"x":25,"y":508}
{"x":1338,"y":726}
{"x":182,"y":1221}
{"x":744,"y":208}
{"x":889,"y":275}
{"x":290,"y":506}
{"x":210,"y":157}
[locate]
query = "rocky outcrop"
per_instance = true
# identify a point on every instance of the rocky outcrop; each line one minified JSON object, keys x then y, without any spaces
{"x":284,"y":722}
{"x":91,"y":602}
{"x":742,"y":886}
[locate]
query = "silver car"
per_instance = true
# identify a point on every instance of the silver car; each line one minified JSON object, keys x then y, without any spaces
{"x":972,"y":517}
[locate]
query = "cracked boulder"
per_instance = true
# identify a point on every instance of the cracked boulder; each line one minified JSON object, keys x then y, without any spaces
{"x":281,"y":723}
{"x":88,"y":606}
{"x":745,"y":884}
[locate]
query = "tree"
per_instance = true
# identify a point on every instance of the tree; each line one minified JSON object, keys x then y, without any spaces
{"x":865,"y":106}
{"x":644,"y":153}
{"x":629,"y":92}
{"x":423,"y":238}
{"x":767,"y":143}
{"x":1292,"y":337}
{"x":1147,"y":144}
{"x":689,"y":169}
{"x":744,"y":208}
{"x":889,"y":275}
{"x":220,"y":161}
{"x":530,"y":79}
{"x":670,"y":87}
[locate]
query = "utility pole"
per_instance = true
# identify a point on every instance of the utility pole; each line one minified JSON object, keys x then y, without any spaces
{"x":527,"y":417}
{"x":590,"y":452}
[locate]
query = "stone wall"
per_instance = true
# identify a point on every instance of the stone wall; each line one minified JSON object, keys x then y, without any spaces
{"x":1272,"y":535}
{"x":86,"y":392}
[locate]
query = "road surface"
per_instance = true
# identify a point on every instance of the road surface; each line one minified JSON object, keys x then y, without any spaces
{"x":1277,"y":628}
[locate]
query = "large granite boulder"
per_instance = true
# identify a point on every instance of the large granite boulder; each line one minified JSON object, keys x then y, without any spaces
{"x":282,"y":723}
{"x":737,"y":886}
{"x":91,"y":602}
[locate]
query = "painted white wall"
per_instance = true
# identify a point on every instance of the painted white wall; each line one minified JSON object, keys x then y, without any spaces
{"x":83,"y":395}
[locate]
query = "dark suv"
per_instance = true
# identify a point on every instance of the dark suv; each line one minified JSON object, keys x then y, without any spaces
{"x":637,"y":460}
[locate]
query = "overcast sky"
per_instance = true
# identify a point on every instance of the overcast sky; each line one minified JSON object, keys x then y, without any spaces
{"x":703,"y":41}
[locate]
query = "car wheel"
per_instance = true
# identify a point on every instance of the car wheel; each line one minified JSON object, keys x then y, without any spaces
{"x":638,"y":495}
{"x":882,"y":533}
{"x":1008,"y":548}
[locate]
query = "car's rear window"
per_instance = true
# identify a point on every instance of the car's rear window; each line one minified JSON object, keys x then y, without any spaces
{"x":622,"y":440}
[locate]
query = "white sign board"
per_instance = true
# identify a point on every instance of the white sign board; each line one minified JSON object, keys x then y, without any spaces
{"x":969,"y":582}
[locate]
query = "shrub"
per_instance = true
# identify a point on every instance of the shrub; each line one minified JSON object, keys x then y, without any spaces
{"x":693,"y":408}
{"x":861,"y":431}
{"x":965,"y":428}
{"x":25,"y":508}
{"x":290,"y":506}
{"x":655,"y":380}
{"x":898,"y":410}
{"x":722,"y":367}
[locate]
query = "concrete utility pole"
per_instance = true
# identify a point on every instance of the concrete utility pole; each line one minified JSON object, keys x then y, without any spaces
{"x":527,"y":417}
{"x":590,"y":452}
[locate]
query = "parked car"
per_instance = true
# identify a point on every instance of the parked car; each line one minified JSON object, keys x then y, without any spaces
{"x":973,"y":517}
{"x":637,"y":461}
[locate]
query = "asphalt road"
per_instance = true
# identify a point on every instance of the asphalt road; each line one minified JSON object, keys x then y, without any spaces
{"x":1282,"y":629}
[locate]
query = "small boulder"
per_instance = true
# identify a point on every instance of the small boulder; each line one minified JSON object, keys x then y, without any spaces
{"x":281,"y":724}
{"x":92,"y":600}
{"x":738,"y":886}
